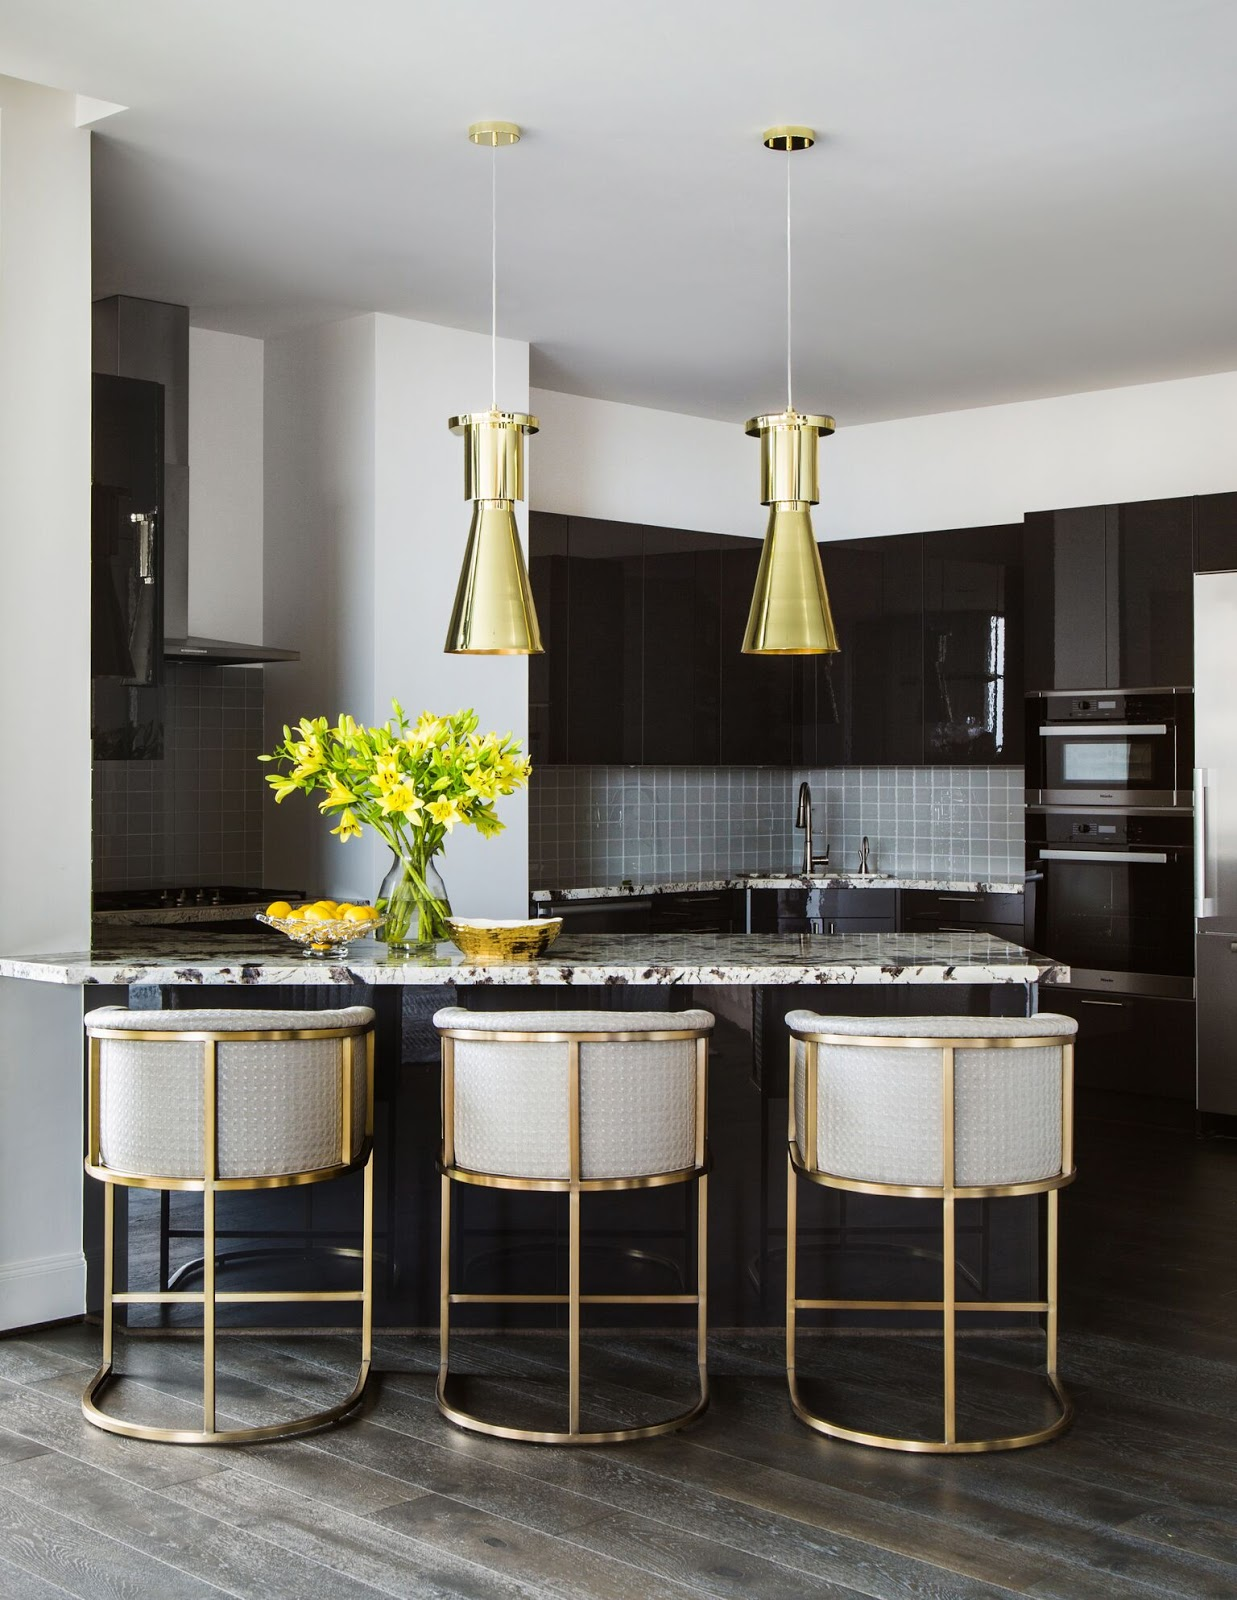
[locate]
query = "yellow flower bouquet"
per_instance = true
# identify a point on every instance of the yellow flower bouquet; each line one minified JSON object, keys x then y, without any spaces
{"x":411,"y":783}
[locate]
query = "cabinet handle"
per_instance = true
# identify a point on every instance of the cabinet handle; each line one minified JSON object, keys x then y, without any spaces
{"x":1120,"y":1004}
{"x":144,"y":522}
{"x":948,"y":927}
{"x":960,"y":899}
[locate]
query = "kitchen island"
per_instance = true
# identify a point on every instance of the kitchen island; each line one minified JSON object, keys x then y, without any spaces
{"x":749,"y":981}
{"x":180,"y":957}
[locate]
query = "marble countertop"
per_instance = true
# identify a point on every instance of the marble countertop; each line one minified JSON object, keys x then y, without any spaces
{"x":744,"y":880}
{"x":166,"y":957}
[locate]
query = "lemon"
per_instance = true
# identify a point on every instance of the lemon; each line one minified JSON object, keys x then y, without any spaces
{"x":357,"y":913}
{"x":318,"y":914}
{"x":278,"y":908}
{"x":297,"y":914}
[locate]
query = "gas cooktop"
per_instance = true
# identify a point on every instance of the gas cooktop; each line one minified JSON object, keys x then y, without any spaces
{"x":179,"y":896}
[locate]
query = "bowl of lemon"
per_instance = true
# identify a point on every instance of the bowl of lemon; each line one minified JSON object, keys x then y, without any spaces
{"x":324,"y":927}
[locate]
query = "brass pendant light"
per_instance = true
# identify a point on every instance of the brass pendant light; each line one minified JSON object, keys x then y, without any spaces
{"x":493,"y":613}
{"x":790,"y":613}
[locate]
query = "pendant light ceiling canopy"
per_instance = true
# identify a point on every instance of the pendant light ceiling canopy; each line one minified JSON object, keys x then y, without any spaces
{"x":493,"y":612}
{"x":790,"y":612}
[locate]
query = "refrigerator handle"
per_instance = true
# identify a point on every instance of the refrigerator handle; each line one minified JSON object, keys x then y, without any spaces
{"x":1204,"y":905}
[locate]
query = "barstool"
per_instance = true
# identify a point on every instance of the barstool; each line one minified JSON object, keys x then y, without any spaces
{"x":574,"y":1102}
{"x":942,"y":1108}
{"x":224,"y":1100}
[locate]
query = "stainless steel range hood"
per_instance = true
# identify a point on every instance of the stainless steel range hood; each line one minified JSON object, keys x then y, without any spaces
{"x":150,"y":339}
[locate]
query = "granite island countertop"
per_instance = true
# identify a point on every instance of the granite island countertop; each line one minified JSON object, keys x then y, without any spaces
{"x":179,"y":957}
{"x":631,"y":887}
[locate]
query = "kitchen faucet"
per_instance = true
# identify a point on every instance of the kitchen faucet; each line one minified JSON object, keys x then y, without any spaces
{"x":803,"y":819}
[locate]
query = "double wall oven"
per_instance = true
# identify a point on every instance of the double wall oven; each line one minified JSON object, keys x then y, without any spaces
{"x":1110,"y":838}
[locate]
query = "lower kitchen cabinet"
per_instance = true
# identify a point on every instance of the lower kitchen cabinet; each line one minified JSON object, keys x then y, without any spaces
{"x":693,"y":911}
{"x":1137,"y":1044}
{"x":962,"y":911}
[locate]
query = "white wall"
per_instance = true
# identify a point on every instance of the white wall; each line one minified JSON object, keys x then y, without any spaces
{"x":225,"y":486}
{"x":44,"y":687}
{"x":318,"y":572}
{"x":954,"y":469}
{"x":365,"y":529}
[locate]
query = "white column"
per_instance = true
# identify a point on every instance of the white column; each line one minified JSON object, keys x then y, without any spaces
{"x":365,"y":528}
{"x":44,"y":688}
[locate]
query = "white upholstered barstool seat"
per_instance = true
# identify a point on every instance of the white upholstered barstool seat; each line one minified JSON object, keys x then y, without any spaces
{"x":573,"y":1102}
{"x":941,"y":1108}
{"x":225,"y":1100}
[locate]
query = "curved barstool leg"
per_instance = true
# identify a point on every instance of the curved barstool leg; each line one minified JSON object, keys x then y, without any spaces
{"x":573,"y":1434}
{"x":209,"y":1433}
{"x":950,"y":1444}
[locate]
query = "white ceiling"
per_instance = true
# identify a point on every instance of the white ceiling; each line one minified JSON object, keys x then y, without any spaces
{"x":1012,"y":198}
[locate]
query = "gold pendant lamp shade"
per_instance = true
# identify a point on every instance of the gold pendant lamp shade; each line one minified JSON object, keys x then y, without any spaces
{"x":493,"y":613}
{"x":790,"y":613}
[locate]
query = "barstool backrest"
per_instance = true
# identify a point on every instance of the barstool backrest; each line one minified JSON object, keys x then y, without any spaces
{"x":639,"y":1093}
{"x":878,"y":1106}
{"x":283,"y":1079}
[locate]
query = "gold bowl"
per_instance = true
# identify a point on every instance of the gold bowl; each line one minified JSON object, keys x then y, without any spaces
{"x":485,"y":939}
{"x":323,"y":938}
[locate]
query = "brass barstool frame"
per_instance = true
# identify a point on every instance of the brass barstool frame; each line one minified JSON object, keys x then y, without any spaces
{"x":573,"y":1186}
{"x":948,"y":1193}
{"x":210,"y":1184}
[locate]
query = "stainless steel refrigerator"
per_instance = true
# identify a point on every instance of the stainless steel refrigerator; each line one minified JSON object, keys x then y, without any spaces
{"x":1215,"y":822}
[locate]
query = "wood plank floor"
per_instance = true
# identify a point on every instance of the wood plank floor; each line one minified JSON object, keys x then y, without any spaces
{"x":1138,"y":1500}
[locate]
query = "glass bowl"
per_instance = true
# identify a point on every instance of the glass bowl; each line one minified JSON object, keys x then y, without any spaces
{"x":323,"y":939}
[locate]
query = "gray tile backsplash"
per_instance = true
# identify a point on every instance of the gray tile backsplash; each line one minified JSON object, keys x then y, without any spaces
{"x":195,"y":816}
{"x":603,"y":824}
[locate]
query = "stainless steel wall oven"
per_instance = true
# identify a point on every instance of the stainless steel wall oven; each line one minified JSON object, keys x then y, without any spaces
{"x":1111,"y":748}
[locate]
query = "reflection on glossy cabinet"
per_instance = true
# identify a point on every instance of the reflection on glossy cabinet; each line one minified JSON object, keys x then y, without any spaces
{"x":1109,"y":596}
{"x":869,"y":696}
{"x":972,"y":665}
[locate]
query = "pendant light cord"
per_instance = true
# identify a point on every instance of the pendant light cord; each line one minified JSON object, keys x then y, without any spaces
{"x":494,"y":277}
{"x":790,"y":405}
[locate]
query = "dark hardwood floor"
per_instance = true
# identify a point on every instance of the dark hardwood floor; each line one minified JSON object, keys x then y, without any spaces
{"x":1138,"y":1500}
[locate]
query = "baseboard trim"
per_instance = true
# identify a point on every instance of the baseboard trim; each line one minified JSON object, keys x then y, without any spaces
{"x":42,"y":1289}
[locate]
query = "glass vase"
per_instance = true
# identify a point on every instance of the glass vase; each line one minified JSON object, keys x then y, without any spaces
{"x":413,"y":902}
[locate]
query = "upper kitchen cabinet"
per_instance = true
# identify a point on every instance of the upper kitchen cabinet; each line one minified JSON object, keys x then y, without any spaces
{"x":972,"y":646}
{"x":681,"y":645}
{"x":547,"y":673}
{"x":869,"y":697}
{"x":126,"y":567}
{"x":605,"y":639}
{"x":757,"y":693}
{"x":1109,"y":596}
{"x":1215,"y":533}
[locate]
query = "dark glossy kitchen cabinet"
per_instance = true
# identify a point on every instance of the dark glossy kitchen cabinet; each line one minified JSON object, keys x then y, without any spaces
{"x":1135,"y":1044}
{"x":126,"y":567}
{"x":681,"y":647}
{"x":1215,"y":533}
{"x":869,"y":697}
{"x":548,"y":674}
{"x":646,"y":624}
{"x":757,"y":693}
{"x":962,"y":911}
{"x":1109,"y":596}
{"x":972,"y":646}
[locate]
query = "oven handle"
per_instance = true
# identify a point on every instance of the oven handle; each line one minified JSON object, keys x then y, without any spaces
{"x":1098,"y":730}
{"x":1149,"y":858}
